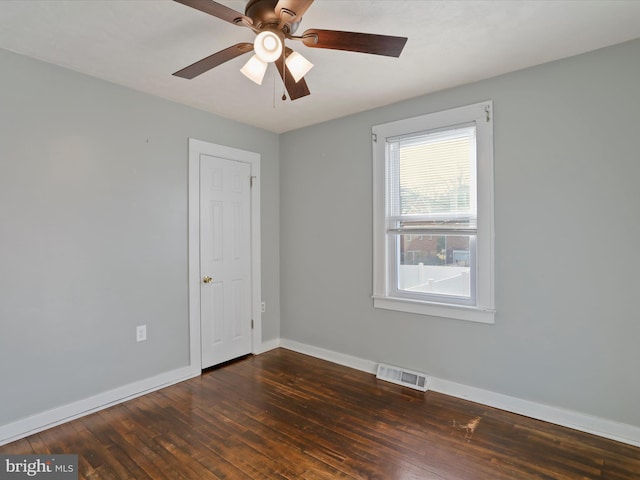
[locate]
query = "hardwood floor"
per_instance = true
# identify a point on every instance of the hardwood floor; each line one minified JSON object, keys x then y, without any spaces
{"x":282,"y":415}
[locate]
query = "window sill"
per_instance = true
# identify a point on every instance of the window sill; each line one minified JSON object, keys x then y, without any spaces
{"x":459,"y":312}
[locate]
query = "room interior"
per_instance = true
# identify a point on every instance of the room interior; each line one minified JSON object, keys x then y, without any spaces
{"x":94,"y":201}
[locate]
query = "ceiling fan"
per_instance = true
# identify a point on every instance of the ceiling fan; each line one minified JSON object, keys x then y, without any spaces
{"x":273,"y":22}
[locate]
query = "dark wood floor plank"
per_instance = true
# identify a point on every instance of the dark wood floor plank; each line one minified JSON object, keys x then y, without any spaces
{"x":287,"y":416}
{"x":19,"y":447}
{"x":37,"y":445}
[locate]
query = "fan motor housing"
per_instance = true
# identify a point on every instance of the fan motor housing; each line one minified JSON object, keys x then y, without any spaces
{"x":263,"y":15}
{"x":262,"y":12}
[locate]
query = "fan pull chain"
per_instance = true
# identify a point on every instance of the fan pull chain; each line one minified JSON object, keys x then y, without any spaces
{"x":284,"y":97}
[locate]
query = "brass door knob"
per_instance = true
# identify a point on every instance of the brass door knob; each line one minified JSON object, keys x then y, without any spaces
{"x":207,"y":279}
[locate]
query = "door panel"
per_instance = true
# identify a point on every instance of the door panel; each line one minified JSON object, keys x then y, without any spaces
{"x":225,"y":256}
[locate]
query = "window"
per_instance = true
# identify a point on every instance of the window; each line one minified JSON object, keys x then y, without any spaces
{"x":433,"y":214}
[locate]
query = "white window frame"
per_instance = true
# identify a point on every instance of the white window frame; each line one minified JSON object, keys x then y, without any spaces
{"x":384,"y":295}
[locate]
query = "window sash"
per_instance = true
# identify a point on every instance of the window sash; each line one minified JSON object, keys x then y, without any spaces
{"x":433,"y":225}
{"x":427,"y":165}
{"x":395,"y":265}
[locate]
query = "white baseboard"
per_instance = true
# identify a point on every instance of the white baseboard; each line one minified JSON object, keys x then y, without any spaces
{"x":331,"y":356}
{"x":266,"y":346}
{"x":613,"y":430}
{"x":41,"y":421}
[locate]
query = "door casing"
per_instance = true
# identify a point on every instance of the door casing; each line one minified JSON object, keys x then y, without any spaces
{"x":196,"y":148}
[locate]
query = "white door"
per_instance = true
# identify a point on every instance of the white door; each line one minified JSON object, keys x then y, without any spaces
{"x":225,"y":259}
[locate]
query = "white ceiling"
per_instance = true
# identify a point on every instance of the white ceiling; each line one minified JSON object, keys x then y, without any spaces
{"x":140,"y":43}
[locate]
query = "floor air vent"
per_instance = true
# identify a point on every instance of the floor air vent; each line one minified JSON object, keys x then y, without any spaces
{"x":401,"y":376}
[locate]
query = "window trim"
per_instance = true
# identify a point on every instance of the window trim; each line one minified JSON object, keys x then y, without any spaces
{"x":484,"y":309}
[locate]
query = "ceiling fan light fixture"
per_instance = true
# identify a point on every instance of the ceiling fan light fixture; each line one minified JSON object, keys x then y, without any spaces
{"x":274,"y":22}
{"x":298,"y":65}
{"x":254,"y":69}
{"x":268,"y":46}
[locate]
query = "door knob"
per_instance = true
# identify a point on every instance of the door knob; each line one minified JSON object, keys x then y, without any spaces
{"x":207,"y":279}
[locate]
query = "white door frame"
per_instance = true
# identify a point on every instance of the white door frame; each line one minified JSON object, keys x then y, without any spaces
{"x":196,"y":148}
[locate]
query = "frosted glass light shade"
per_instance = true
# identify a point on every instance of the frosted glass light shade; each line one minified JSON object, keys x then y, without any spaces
{"x":298,"y":65}
{"x":254,"y":69}
{"x":267,"y":46}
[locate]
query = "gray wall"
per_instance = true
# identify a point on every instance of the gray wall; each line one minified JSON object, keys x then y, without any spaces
{"x":567,"y":166}
{"x":93,"y":233}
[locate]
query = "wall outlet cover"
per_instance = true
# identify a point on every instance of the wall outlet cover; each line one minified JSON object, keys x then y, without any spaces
{"x":141,"y":333}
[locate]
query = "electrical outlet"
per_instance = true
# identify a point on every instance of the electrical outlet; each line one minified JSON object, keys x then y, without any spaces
{"x":141,"y":333}
{"x":263,"y":307}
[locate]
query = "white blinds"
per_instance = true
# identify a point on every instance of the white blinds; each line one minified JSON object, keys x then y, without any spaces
{"x":432,"y":182}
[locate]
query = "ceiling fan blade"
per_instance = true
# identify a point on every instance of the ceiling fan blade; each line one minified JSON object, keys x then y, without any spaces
{"x":217,"y":10}
{"x":293,"y":10}
{"x":295,"y":90}
{"x":354,"y":42}
{"x":214,"y":60}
